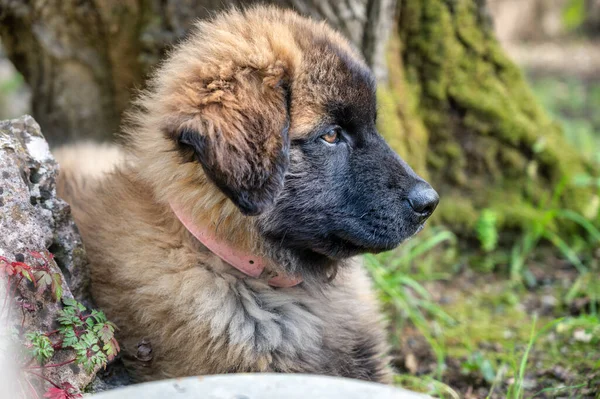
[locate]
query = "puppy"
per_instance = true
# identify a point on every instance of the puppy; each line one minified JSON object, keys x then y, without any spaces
{"x":225,"y":240}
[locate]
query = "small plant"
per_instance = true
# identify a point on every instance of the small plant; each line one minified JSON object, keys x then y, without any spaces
{"x":44,"y":276}
{"x":574,"y":14}
{"x":541,"y":229}
{"x":587,"y":285}
{"x":478,"y":364}
{"x":88,"y":333}
{"x":66,"y":391}
{"x":486,"y":230}
{"x":40,"y":275}
{"x":516,"y":389}
{"x":41,"y":346}
{"x":406,"y":295}
{"x":427,"y":385}
{"x":91,"y":335}
{"x":14,"y":273}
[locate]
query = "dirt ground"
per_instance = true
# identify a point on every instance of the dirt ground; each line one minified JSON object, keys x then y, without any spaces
{"x":547,"y":369}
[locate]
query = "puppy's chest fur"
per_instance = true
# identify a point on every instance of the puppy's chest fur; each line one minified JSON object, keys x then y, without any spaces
{"x":199,"y":316}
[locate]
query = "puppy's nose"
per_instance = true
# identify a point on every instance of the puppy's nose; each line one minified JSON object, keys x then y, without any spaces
{"x":423,"y":199}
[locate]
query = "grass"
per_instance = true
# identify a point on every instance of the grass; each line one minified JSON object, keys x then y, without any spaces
{"x":574,"y":103}
{"x":484,"y":336}
{"x":427,"y":385}
{"x":516,"y":390}
{"x":404,"y":295}
{"x":541,"y":229}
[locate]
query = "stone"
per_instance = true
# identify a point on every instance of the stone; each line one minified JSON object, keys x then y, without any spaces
{"x":33,"y":218}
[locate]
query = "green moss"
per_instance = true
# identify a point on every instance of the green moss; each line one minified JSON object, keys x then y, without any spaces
{"x":463,"y":107}
{"x":456,"y":212}
{"x":398,"y":120}
{"x":389,"y":122}
{"x":499,"y":320}
{"x":514,"y":212}
{"x":453,"y":151}
{"x":503,"y":321}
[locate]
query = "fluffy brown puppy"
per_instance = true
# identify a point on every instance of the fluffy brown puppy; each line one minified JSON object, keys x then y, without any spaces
{"x":258,"y":130}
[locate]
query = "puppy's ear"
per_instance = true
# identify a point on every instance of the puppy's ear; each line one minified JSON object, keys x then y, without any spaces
{"x":240,"y":135}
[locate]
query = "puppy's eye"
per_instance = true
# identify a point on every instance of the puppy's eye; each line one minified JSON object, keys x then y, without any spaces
{"x":333,"y":135}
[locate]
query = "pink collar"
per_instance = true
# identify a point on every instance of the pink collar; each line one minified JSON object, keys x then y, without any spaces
{"x":248,"y":264}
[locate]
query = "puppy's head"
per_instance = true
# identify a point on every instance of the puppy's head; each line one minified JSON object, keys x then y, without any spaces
{"x":278,"y":113}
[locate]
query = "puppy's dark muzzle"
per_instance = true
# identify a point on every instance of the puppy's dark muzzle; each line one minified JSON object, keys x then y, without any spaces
{"x":423,"y":200}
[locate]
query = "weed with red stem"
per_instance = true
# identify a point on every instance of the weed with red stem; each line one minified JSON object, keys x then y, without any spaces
{"x":88,"y":333}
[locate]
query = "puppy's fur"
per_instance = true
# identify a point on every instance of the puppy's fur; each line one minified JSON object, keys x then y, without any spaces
{"x":232,"y":128}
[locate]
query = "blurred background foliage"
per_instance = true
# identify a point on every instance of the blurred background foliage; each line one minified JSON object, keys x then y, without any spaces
{"x":488,"y":308}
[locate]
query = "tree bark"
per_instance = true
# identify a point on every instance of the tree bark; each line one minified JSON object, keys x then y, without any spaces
{"x":450,"y":101}
{"x":592,"y":19}
{"x":82,"y":58}
{"x":488,"y":142}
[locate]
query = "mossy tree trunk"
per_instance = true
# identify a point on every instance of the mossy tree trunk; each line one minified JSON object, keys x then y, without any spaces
{"x":451,"y":102}
{"x":470,"y":118}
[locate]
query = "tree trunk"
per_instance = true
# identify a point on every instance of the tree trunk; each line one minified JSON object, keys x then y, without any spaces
{"x":592,"y":17}
{"x":82,"y":58}
{"x":487,"y":142}
{"x":450,"y":101}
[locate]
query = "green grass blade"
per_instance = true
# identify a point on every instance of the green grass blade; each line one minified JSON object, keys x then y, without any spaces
{"x":566,"y":250}
{"x":580,"y":220}
{"x":415,"y":248}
